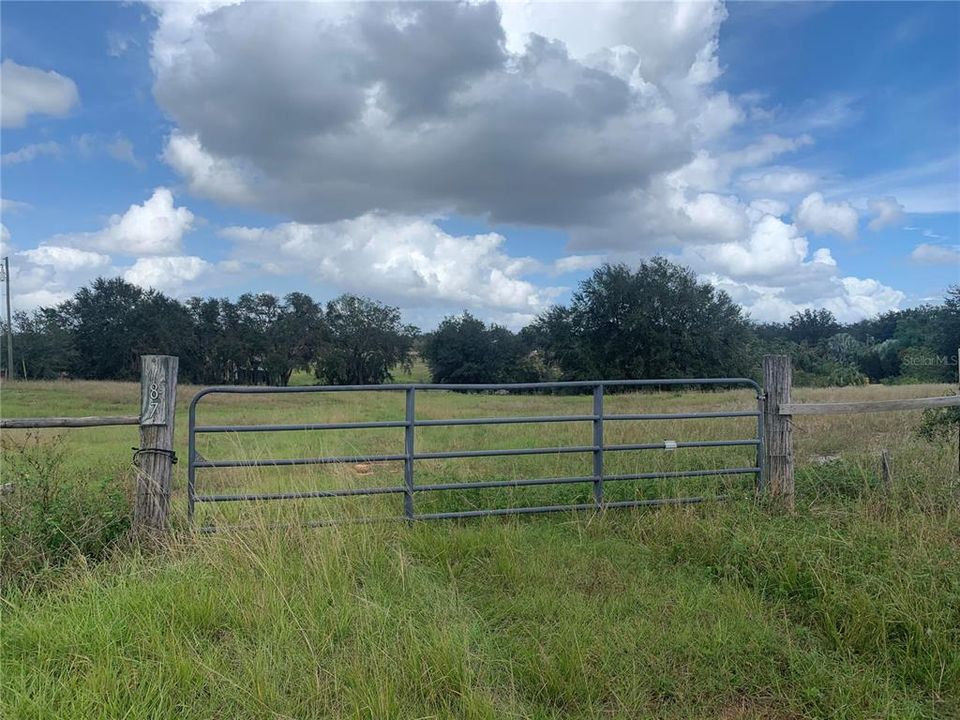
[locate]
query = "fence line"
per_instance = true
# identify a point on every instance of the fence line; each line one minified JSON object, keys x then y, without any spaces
{"x":155,"y":455}
{"x":69,"y":422}
{"x":846,"y":408}
{"x":778,"y":411}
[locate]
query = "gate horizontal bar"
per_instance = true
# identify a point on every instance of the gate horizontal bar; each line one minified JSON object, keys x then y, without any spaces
{"x":684,"y":444}
{"x":684,"y":416}
{"x":346,"y":492}
{"x":512,"y":451}
{"x":505,"y":420}
{"x":307,"y":426}
{"x":263,"y":389}
{"x":487,"y":484}
{"x":296,"y":461}
{"x":481,"y":485}
{"x":561,"y":508}
{"x":540,"y":509}
{"x":683,"y":473}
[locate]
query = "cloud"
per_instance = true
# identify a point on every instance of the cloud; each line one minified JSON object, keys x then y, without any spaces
{"x":120,"y":148}
{"x":26,"y":91}
{"x":573,"y":263}
{"x":773,"y":273}
{"x":31,"y":152}
{"x":886,"y":211}
{"x":401,"y":259}
{"x":366,"y":109}
{"x":780,"y":181}
{"x":822,"y":217}
{"x":13,"y":206}
{"x":220,"y":179}
{"x":930,"y":254}
{"x":156,"y":227}
{"x":67,"y":259}
{"x":167,"y":274}
{"x":766,"y":206}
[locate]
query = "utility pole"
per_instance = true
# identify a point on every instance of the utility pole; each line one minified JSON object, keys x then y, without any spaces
{"x":11,"y":373}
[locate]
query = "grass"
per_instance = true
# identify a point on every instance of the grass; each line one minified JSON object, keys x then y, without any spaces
{"x":848,"y":609}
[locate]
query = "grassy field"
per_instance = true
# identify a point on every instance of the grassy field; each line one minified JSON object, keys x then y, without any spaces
{"x":849,"y":608}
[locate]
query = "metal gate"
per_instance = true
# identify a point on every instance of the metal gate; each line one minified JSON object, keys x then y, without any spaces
{"x":409,"y":454}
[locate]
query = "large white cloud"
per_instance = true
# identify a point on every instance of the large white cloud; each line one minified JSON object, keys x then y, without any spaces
{"x":167,"y":274}
{"x":408,"y":260}
{"x":437,"y":107}
{"x":156,"y":227}
{"x":822,"y":217}
{"x":67,"y":259}
{"x":26,"y":91}
{"x":773,"y":274}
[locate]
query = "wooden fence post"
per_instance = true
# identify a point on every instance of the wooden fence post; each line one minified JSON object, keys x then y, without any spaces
{"x":155,"y":458}
{"x":778,"y":429}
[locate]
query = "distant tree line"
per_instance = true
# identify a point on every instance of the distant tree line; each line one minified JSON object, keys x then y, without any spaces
{"x":653,"y":320}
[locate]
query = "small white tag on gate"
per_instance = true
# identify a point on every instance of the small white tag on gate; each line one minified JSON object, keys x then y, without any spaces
{"x":669,"y":444}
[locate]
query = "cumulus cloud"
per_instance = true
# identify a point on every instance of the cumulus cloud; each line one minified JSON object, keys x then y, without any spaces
{"x":886,"y":211}
{"x":152,"y":233}
{"x":167,"y":274}
{"x":930,"y":254}
{"x":363,"y":108}
{"x":26,"y":91}
{"x":67,"y":259}
{"x":31,"y":152}
{"x":222,"y":179}
{"x":773,"y":273}
{"x":156,"y":227}
{"x":822,"y":217}
{"x":402,"y":259}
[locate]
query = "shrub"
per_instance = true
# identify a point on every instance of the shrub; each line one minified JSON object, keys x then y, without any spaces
{"x":51,"y":514}
{"x":939,"y":424}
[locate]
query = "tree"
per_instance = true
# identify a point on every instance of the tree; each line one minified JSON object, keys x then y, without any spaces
{"x":365,"y":339}
{"x":812,"y":326}
{"x":44,"y":345}
{"x":655,"y":321}
{"x":464,"y":350}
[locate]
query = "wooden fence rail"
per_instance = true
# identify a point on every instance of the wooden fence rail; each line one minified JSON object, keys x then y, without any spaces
{"x":68,"y":422}
{"x":154,"y":457}
{"x":778,"y":411}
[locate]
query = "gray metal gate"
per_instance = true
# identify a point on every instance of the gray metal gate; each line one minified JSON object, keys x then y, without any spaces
{"x":409,"y":455}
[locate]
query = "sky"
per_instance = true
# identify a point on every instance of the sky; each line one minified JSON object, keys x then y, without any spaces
{"x":445,"y":157}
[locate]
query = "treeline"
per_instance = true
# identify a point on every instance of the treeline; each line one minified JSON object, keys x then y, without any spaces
{"x":653,"y":320}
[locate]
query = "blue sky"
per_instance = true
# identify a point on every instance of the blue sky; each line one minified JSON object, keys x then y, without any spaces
{"x":447,"y":157}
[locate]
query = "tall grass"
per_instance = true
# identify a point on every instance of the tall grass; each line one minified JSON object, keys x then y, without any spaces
{"x":848,"y":609}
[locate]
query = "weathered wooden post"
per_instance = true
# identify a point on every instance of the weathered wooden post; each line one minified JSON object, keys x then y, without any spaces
{"x":155,"y":457}
{"x":778,"y":429}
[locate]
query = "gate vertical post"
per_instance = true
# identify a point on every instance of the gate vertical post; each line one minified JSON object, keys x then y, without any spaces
{"x":760,"y":480}
{"x":408,"y":453}
{"x":598,"y":445}
{"x":778,"y":429}
{"x":155,"y":457}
